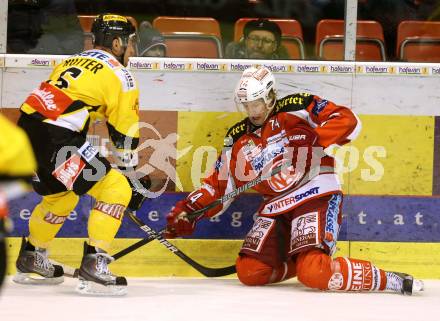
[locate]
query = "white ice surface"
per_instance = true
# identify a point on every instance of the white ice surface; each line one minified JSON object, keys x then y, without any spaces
{"x":178,"y":299}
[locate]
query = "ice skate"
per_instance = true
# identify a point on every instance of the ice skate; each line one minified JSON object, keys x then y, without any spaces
{"x":34,"y":267}
{"x":403,"y":283}
{"x":94,"y":276}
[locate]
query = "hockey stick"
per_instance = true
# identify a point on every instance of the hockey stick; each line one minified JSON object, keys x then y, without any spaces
{"x":153,"y":235}
{"x":71,"y":272}
{"x":198,"y":213}
{"x":134,"y":246}
{"x":238,"y":191}
{"x":209,"y":272}
{"x":206,"y":271}
{"x":195,"y":214}
{"x":311,"y":174}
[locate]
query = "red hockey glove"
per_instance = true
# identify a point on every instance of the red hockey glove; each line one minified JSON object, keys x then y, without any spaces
{"x":178,"y":223}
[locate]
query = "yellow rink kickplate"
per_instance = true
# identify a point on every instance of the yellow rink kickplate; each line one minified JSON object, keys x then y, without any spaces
{"x":154,"y":260}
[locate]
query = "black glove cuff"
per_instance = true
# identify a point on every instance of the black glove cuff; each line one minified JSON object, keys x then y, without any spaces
{"x":138,"y":194}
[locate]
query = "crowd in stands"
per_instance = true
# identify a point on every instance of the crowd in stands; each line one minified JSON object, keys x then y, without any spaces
{"x":261,"y":40}
{"x":54,"y":27}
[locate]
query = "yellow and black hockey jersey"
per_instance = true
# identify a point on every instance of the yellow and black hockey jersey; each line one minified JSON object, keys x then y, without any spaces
{"x":92,"y":84}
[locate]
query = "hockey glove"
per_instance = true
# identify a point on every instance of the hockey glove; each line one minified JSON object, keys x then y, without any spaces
{"x":138,"y":194}
{"x":178,"y":222}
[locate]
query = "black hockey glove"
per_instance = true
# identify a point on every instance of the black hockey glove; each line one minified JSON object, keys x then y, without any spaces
{"x":138,"y":194}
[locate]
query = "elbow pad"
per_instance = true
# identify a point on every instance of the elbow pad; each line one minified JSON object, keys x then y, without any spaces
{"x":124,"y":148}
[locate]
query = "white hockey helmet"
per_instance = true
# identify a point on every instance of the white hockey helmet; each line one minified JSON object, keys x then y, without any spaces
{"x":256,"y":83}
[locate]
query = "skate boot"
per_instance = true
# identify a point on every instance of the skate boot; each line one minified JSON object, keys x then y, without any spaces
{"x":34,"y":267}
{"x":403,"y":283}
{"x":94,"y":276}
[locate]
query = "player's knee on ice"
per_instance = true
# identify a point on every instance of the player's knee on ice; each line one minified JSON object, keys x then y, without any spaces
{"x":251,"y":271}
{"x":314,"y":269}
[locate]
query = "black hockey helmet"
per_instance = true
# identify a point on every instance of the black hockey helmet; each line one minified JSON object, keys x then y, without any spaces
{"x":107,"y":27}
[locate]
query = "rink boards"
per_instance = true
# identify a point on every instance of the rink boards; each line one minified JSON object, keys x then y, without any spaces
{"x":390,"y":174}
{"x":366,"y":218}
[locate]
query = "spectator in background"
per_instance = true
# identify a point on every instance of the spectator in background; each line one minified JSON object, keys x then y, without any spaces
{"x":261,"y":40}
{"x":150,"y":42}
{"x":43,"y":27}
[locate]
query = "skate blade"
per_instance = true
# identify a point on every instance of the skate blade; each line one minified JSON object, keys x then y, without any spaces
{"x":36,"y":279}
{"x":418,"y":285}
{"x":85,"y":287}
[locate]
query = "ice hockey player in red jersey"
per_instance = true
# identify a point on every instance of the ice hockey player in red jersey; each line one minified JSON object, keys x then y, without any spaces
{"x":296,"y":230}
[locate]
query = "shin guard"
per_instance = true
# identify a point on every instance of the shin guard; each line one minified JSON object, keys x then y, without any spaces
{"x":112,"y":194}
{"x":49,"y":216}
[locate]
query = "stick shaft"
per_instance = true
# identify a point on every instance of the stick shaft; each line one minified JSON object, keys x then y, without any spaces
{"x":238,"y":191}
{"x":206,"y":271}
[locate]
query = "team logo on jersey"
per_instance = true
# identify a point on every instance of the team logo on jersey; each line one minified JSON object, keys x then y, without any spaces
{"x":52,"y":218}
{"x":101,"y":55}
{"x":305,"y":232}
{"x":126,"y":78}
{"x":257,"y":235}
{"x":87,"y":151}
{"x":286,"y":202}
{"x":250,"y":150}
{"x":277,"y":137}
{"x":319,"y":106}
{"x":284,"y":179}
{"x":68,"y":172}
{"x":49,"y":101}
{"x":331,"y":222}
{"x":267,"y":155}
{"x":297,"y":137}
{"x":114,"y":210}
{"x":113,"y":63}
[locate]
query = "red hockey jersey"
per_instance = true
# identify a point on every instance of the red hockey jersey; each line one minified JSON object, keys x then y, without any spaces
{"x":298,"y":136}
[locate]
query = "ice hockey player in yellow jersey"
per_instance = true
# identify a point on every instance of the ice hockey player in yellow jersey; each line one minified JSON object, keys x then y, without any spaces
{"x":56,"y":116}
{"x":17,"y":163}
